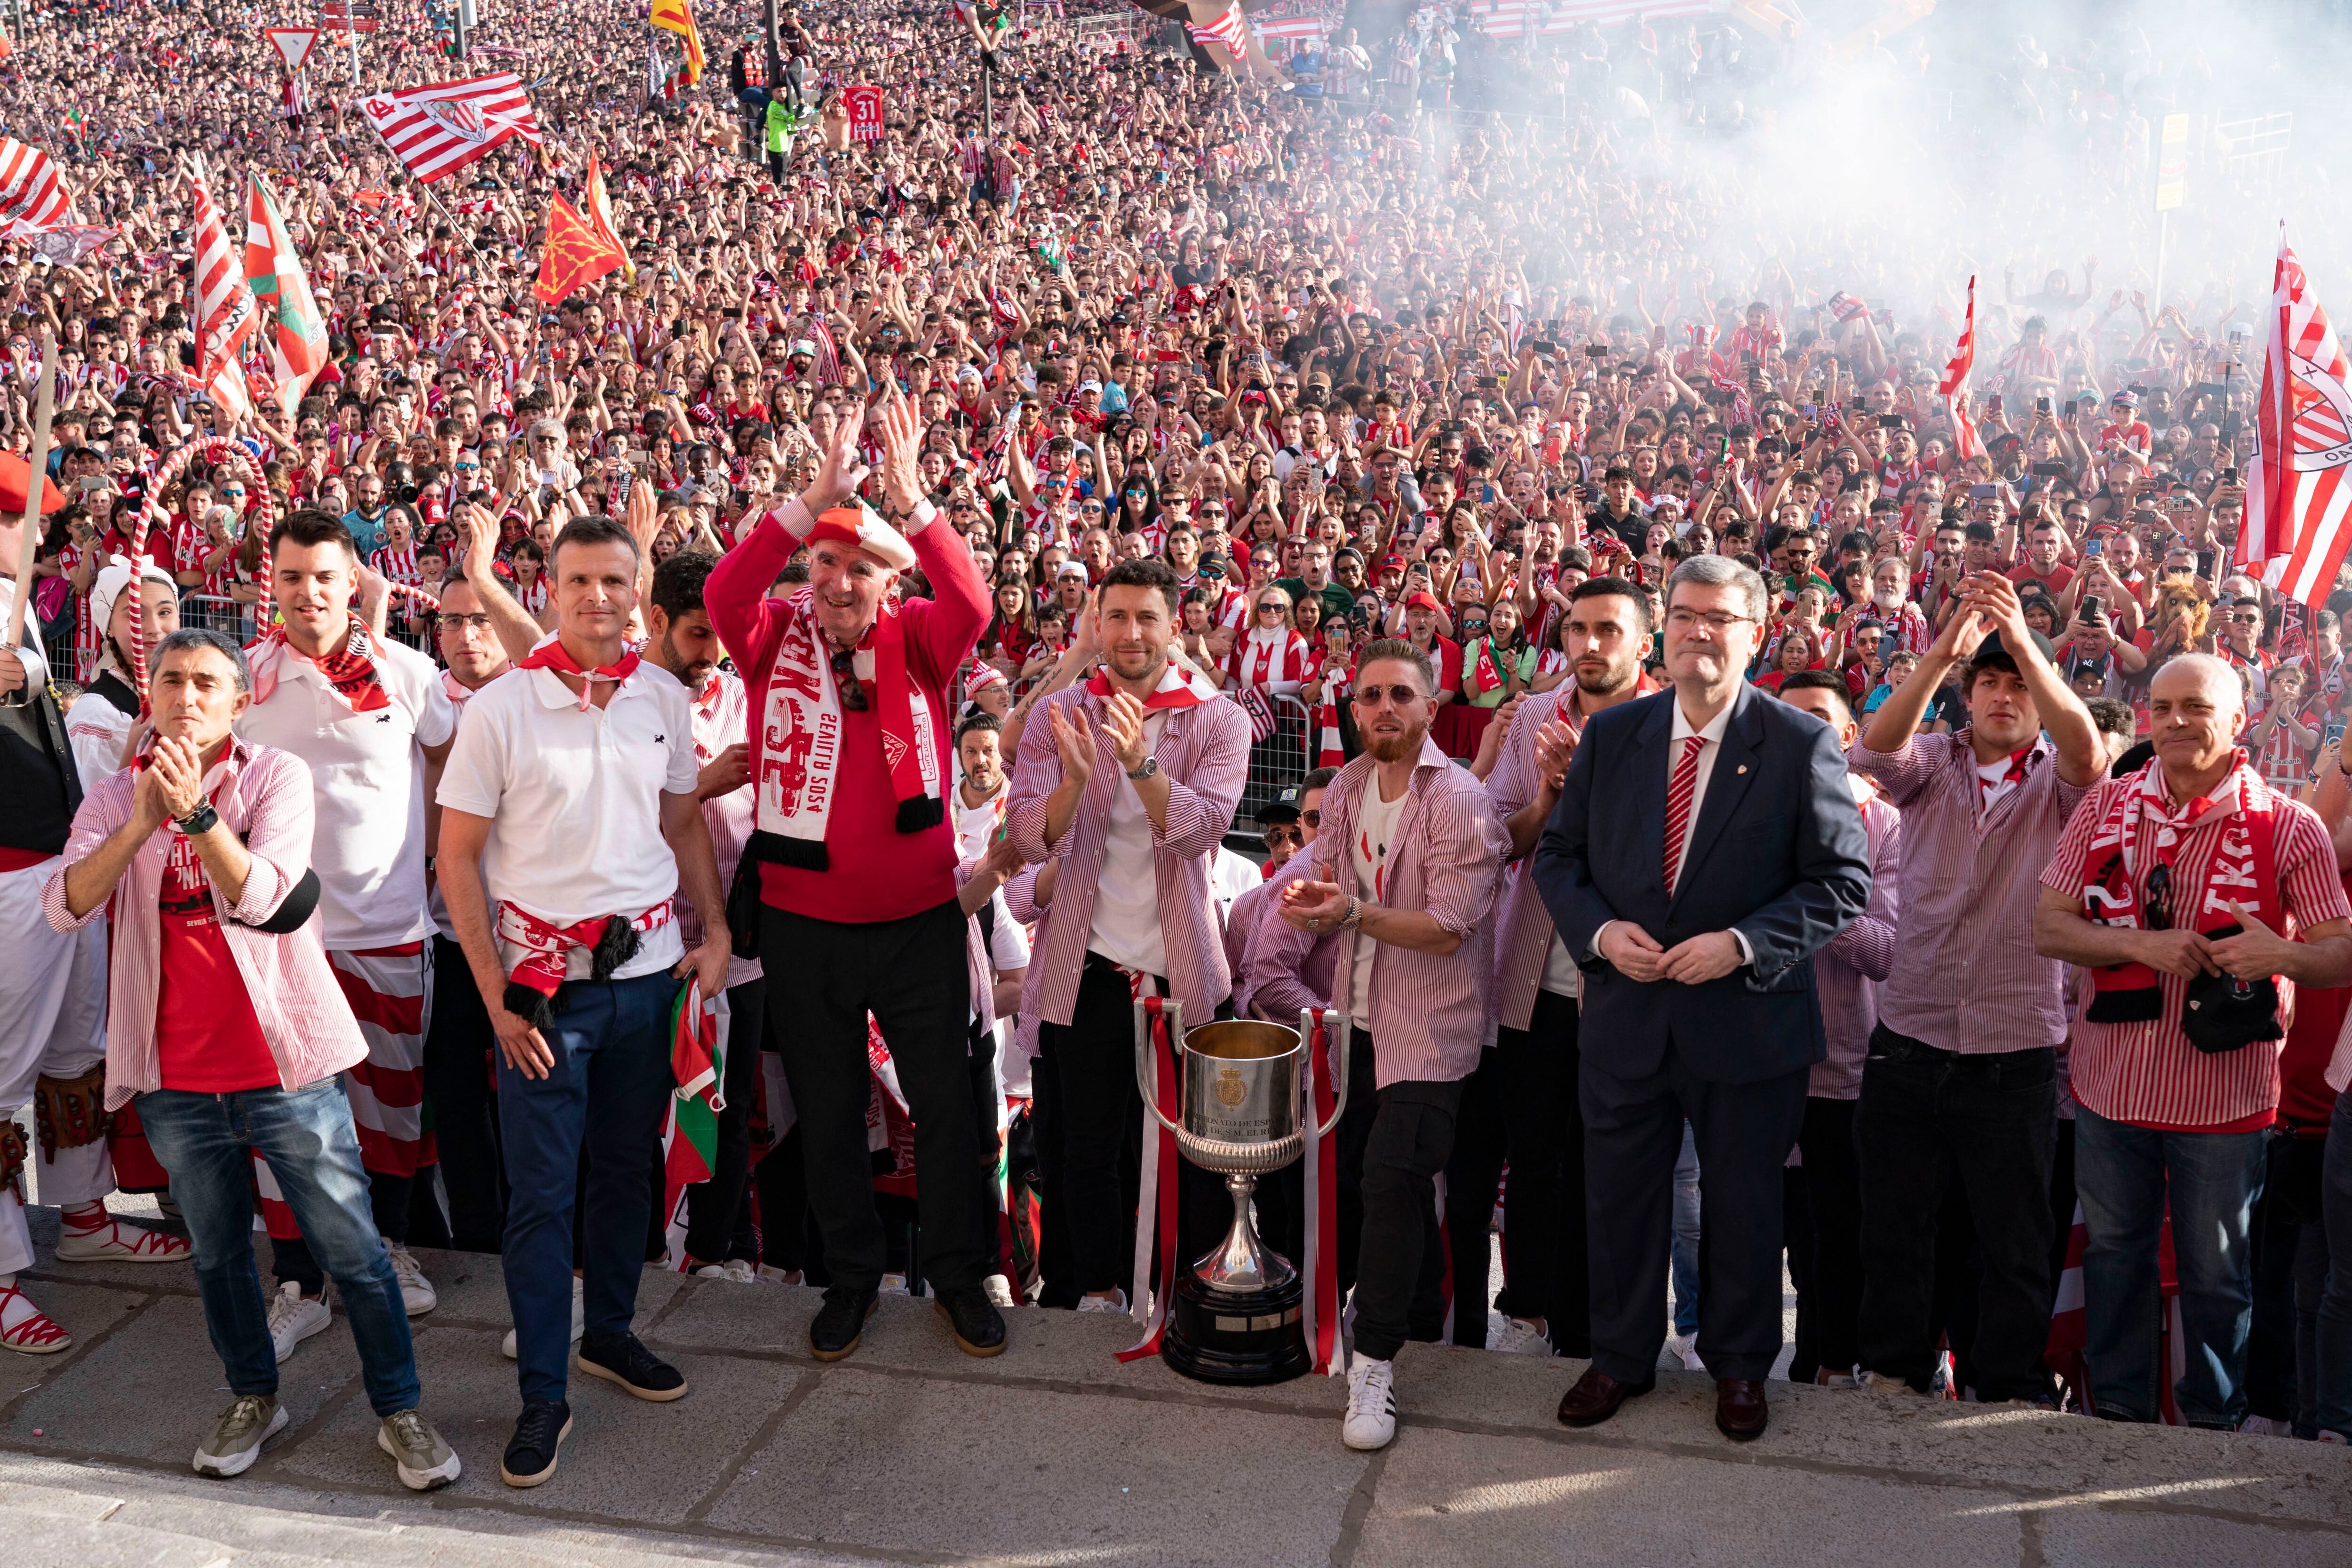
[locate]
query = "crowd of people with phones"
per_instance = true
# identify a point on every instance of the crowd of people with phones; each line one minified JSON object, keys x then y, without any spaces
{"x":1733,"y":789}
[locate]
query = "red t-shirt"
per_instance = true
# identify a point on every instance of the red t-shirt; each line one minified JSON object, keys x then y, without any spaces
{"x":208,"y":1038}
{"x":2060,"y":575}
{"x":2304,"y":1094}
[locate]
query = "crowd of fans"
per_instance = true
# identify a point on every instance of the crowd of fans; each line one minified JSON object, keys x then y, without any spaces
{"x":1426,"y":352}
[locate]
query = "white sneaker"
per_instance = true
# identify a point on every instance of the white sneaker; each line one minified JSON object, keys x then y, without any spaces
{"x":1520,"y":1337}
{"x":1880,"y":1382}
{"x":2329,"y":1434}
{"x":249,"y":1421}
{"x":999,"y":1290}
{"x":2266,"y":1426}
{"x":1371,"y":1420}
{"x":1097,"y":1304}
{"x":415,"y":1290}
{"x":894,"y":1285}
{"x":579,"y":1319}
{"x":1684,"y":1348}
{"x":736,"y":1269}
{"x":293,"y":1319}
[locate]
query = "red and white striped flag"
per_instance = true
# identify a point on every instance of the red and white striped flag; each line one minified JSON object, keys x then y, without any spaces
{"x":2299,"y":506}
{"x":1228,"y":32}
{"x":32,"y":197}
{"x":226,"y":315}
{"x":1955,"y":384}
{"x":442,"y":126}
{"x":828,"y":351}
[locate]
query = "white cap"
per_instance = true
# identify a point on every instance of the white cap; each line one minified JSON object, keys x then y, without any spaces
{"x":114,"y":577}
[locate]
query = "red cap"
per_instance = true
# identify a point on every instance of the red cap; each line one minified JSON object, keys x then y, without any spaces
{"x":1423,"y":602}
{"x":15,"y":473}
{"x":861,"y":527}
{"x":1391,"y":563}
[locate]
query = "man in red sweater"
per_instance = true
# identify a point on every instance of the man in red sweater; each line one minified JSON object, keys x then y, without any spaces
{"x":852,"y":708}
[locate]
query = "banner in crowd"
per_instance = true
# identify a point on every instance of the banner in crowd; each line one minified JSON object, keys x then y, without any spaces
{"x":674,"y":16}
{"x":1228,"y":32}
{"x":864,"y":102}
{"x":600,"y":213}
{"x":2297,"y":502}
{"x":32,"y":197}
{"x":440,"y":127}
{"x":298,"y":332}
{"x":574,"y":256}
{"x":226,"y":315}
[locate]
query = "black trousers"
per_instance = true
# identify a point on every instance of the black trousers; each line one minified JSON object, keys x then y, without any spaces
{"x":2282,"y":1366}
{"x":1519,"y":1108}
{"x":458,"y":1084}
{"x":1980,"y":1127}
{"x":1829,"y":1285}
{"x":711,"y":1207}
{"x":1632,"y":1136}
{"x":1391,"y":1156}
{"x":1095,"y":1119}
{"x":909,"y":974}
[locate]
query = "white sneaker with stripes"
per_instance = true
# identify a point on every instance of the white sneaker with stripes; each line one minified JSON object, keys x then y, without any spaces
{"x":1371,"y":1420}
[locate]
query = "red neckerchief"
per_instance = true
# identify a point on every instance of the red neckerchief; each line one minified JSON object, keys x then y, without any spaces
{"x":553,"y":655}
{"x":352,"y":672}
{"x":1179,"y":686}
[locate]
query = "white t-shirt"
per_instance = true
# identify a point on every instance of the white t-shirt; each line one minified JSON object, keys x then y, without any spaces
{"x":367,"y":779}
{"x":720,"y":711}
{"x":458,"y":698}
{"x":1127,"y":898}
{"x":575,"y":796}
{"x":1376,"y":824}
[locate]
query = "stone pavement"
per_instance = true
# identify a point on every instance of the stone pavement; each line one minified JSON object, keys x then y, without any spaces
{"x":1054,"y":1453}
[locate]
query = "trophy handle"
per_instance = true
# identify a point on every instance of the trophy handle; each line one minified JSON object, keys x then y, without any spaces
{"x":1145,"y":1078}
{"x":1335,"y":1027}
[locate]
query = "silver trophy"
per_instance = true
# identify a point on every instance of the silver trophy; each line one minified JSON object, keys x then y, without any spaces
{"x":1244,"y":1085}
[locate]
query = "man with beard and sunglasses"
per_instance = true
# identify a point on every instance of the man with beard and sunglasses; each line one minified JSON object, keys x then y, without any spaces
{"x":1521,"y":1103}
{"x":1407,"y":864}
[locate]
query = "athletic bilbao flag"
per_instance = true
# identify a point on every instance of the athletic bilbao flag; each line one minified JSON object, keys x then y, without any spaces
{"x":226,"y":314}
{"x":440,"y":127}
{"x":32,"y":198}
{"x":2296,"y":525}
{"x":1227,"y":32}
{"x":574,"y":256}
{"x":674,"y":16}
{"x":297,"y":335}
{"x":1955,"y":383}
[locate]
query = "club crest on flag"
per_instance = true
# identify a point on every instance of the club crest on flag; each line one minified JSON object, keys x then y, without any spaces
{"x":455,"y":116}
{"x":2322,"y":418}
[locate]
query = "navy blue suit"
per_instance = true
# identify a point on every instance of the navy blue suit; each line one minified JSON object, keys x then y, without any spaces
{"x":1778,"y":852}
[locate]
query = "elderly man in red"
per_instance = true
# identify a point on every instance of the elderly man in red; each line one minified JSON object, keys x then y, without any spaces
{"x":852,"y":710}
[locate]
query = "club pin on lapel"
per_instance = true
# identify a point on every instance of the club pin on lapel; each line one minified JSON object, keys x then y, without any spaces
{"x":1742,"y":768}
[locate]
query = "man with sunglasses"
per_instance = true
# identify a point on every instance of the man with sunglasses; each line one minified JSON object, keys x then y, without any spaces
{"x":1406,"y":868}
{"x":1273,"y":982}
{"x":1959,"y":1083}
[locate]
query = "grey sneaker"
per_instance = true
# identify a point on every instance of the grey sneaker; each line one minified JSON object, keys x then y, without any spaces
{"x":424,"y":1460}
{"x":250,"y":1420}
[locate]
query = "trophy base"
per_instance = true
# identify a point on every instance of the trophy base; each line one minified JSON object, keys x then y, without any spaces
{"x":1249,"y":1338}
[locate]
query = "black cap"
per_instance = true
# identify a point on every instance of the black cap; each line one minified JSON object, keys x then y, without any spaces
{"x":1282,"y":807}
{"x":1992,"y":645}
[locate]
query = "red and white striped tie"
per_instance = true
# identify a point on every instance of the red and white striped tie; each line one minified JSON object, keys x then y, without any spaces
{"x":1679,"y":790}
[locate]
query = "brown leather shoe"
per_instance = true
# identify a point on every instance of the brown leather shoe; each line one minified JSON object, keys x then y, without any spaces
{"x":1739,"y":1410}
{"x":1596,"y":1397}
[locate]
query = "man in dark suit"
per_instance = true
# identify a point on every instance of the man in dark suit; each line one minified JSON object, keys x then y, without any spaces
{"x":1704,"y":846}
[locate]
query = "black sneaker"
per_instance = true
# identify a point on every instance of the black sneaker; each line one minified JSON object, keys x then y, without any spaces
{"x":622,"y":1358}
{"x":840,"y":1323}
{"x":538,"y":1432}
{"x":972,"y":1318}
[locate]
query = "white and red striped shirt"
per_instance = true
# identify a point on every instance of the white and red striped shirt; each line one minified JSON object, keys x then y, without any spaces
{"x":395,"y":565}
{"x":2147,"y":1073}
{"x":1270,"y":661}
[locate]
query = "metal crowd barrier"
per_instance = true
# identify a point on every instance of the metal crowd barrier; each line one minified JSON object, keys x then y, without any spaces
{"x":1278,"y":762}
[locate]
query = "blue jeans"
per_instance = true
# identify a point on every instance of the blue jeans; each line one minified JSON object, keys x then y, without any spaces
{"x":206,"y":1143}
{"x":2124,"y":1175}
{"x":2333,"y":1345}
{"x":1686,"y":1246}
{"x":607,"y":1091}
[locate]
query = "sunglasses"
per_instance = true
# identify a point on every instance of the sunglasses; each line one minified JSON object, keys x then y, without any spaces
{"x":1400,"y":696}
{"x":853,"y":690}
{"x":1280,"y":835}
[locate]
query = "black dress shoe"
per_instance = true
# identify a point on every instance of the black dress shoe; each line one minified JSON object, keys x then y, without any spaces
{"x":840,"y":1323}
{"x":1739,"y":1410}
{"x":972,"y":1318}
{"x":1596,"y":1397}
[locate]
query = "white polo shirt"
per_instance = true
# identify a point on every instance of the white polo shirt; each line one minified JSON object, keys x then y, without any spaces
{"x":367,"y":781}
{"x":574,"y":798}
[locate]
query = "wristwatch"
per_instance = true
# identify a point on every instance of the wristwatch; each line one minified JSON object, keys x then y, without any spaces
{"x":203,"y":819}
{"x":1150,"y":766}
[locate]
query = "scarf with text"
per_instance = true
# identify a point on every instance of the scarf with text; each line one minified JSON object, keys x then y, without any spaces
{"x":611,"y":941}
{"x":797,"y":768}
{"x":2136,"y":845}
{"x":553,"y":655}
{"x":352,"y":672}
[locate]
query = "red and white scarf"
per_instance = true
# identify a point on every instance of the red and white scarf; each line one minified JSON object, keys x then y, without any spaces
{"x":352,"y":672}
{"x":546,"y":949}
{"x":553,"y":655}
{"x":798,"y":769}
{"x":1179,"y":686}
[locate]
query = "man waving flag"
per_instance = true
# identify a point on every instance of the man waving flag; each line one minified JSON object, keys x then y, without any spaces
{"x":675,"y":17}
{"x":296,"y":334}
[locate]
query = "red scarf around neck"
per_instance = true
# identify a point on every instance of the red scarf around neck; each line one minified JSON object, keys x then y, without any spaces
{"x":553,"y":655}
{"x":352,"y":672}
{"x":1181,"y":686}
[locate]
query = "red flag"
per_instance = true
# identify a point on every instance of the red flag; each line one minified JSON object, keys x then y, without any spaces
{"x":2304,"y":427}
{"x":440,"y":127}
{"x":574,"y":256}
{"x":1955,"y":383}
